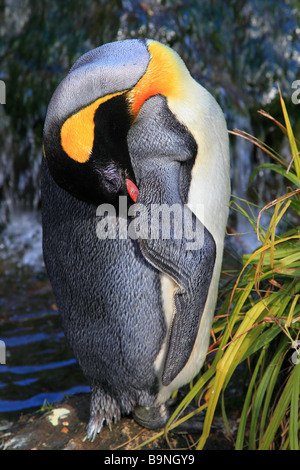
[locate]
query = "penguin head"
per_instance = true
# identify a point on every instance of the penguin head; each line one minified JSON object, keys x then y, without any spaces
{"x":97,"y":142}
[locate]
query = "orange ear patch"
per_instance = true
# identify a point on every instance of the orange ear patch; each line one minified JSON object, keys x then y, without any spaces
{"x":77,"y":132}
{"x":163,"y":76}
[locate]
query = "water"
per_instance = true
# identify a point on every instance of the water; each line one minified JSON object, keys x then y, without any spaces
{"x":40,"y":367}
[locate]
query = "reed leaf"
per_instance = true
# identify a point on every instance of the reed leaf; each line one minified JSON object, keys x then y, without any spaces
{"x":292,"y":141}
{"x":291,"y":177}
{"x":272,"y":371}
{"x":294,"y":410}
{"x":280,"y":410}
{"x":243,"y":421}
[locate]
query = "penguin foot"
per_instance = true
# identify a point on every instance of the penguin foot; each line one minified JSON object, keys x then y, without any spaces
{"x":157,"y":417}
{"x":151,"y":417}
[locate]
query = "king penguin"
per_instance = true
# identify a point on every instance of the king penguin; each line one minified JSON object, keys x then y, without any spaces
{"x":129,"y":123}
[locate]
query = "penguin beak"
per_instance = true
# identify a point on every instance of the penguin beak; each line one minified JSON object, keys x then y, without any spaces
{"x":191,"y":269}
{"x":132,"y":190}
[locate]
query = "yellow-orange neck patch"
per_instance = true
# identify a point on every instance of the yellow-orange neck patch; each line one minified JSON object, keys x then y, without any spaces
{"x":164,"y":76}
{"x":77,"y":132}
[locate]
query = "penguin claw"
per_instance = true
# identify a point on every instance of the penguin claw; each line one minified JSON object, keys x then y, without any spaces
{"x":102,"y":408}
{"x":94,"y":427}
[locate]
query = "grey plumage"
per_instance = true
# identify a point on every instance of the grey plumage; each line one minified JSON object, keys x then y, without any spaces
{"x":114,"y":328}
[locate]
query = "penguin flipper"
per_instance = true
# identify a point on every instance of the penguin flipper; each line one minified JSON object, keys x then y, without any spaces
{"x":191,"y":267}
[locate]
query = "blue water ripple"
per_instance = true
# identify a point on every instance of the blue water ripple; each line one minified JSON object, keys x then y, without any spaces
{"x":31,"y":369}
{"x":40,"y":399}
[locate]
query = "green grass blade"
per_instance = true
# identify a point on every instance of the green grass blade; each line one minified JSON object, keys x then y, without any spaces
{"x":294,"y":411}
{"x":292,"y":177}
{"x":270,"y":372}
{"x":291,"y":312}
{"x":270,"y":389}
{"x":280,"y":411}
{"x":243,"y":421}
{"x":225,"y":367}
{"x":291,"y":137}
{"x":262,"y":340}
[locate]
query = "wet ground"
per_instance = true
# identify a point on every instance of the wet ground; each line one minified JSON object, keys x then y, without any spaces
{"x":63,"y":427}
